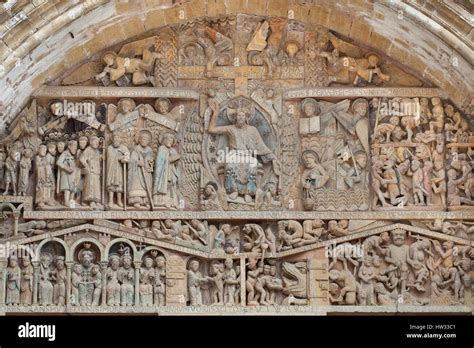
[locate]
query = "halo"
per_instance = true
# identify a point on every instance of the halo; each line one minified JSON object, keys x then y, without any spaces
{"x":162,"y":135}
{"x":240,"y":103}
{"x":360,"y":152}
{"x":114,"y":256}
{"x":310,"y":101}
{"x":359,"y":101}
{"x":144,"y":132}
{"x":268,"y":88}
{"x":157,"y":101}
{"x":146,"y":257}
{"x":294,"y":42}
{"x":109,"y":53}
{"x":121,"y":101}
{"x":213,"y":184}
{"x":311,"y":152}
{"x":251,"y":57}
{"x":190,"y":44}
{"x":80,"y":256}
{"x":373,"y":54}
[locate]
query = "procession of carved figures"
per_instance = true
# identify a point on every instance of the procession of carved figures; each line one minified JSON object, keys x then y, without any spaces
{"x":122,"y":280}
{"x":395,"y":266}
{"x":166,"y":156}
{"x":223,"y":115}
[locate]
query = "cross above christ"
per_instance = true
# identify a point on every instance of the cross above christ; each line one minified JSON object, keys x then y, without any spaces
{"x":239,"y":73}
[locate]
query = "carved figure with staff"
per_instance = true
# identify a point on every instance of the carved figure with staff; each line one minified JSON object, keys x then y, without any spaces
{"x":118,"y":156}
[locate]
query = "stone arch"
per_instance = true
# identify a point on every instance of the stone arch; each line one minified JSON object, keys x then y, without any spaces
{"x":411,"y":42}
{"x":94,"y":242}
{"x":142,"y":253}
{"x":121,"y":240}
{"x":7,"y":205}
{"x":67,"y":252}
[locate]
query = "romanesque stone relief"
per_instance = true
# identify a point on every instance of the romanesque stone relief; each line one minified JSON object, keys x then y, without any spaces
{"x":408,"y":155}
{"x":271,"y":284}
{"x":334,"y":154}
{"x":375,"y":264}
{"x":152,"y":61}
{"x":399,"y":267}
{"x":223,"y":163}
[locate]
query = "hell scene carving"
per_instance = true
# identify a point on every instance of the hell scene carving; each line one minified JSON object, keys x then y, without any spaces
{"x":237,"y":162}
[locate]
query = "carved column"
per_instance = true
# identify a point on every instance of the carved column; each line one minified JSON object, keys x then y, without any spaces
{"x":103,"y":267}
{"x":69,"y":265}
{"x":175,"y":281}
{"x":3,"y":280}
{"x":137,"y":265}
{"x":243,"y":277}
{"x":318,"y":282}
{"x":35,"y":281}
{"x":16,"y":217}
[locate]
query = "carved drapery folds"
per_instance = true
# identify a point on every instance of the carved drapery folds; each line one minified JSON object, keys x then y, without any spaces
{"x":286,"y":263}
{"x":233,"y":162}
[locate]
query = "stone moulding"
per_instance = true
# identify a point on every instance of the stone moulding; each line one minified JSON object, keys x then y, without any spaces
{"x":118,"y":92}
{"x":338,"y":92}
{"x":240,"y":215}
{"x":238,"y":310}
{"x":245,"y":165}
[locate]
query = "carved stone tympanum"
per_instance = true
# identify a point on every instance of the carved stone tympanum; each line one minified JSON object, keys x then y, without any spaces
{"x":238,"y":164}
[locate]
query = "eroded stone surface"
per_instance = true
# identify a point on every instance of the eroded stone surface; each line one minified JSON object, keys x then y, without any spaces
{"x":237,"y":163}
